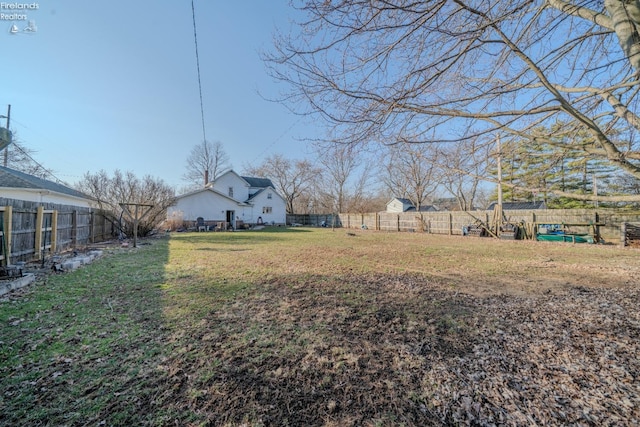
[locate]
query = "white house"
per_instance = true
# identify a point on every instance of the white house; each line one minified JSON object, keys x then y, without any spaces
{"x":18,"y":185}
{"x":233,"y":199}
{"x":399,"y":204}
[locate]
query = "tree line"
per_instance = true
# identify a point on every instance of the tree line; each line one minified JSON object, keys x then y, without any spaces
{"x":415,"y":96}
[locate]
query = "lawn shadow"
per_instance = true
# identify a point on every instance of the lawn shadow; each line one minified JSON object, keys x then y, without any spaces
{"x":304,"y":349}
{"x":88,"y":344}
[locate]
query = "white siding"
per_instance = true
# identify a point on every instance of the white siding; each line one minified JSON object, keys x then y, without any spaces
{"x":45,"y":196}
{"x":395,"y":206}
{"x":232,"y":180}
{"x":278,"y":213}
{"x":206,"y":203}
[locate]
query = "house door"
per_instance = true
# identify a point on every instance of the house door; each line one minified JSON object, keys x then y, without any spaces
{"x":231,"y":217}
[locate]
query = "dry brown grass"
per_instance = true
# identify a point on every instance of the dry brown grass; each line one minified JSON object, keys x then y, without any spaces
{"x":319,"y":328}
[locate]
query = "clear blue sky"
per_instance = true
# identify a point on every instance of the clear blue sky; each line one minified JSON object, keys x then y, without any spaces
{"x":113,"y":84}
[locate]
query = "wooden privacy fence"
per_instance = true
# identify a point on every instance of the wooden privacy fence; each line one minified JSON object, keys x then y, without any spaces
{"x":606,"y":222}
{"x":630,"y":235}
{"x":29,"y":233}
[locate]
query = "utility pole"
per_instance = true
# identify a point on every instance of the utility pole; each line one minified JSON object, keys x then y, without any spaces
{"x":6,"y":150}
{"x":497,"y":214}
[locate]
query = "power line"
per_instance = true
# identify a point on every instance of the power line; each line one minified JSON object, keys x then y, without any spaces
{"x":275,"y":141}
{"x":195,"y":38}
{"x":44,"y":170}
{"x":47,"y":172}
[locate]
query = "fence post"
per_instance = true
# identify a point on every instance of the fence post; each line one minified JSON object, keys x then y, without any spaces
{"x":398,"y":222}
{"x":54,"y":230}
{"x":623,"y":234}
{"x":8,"y":222}
{"x":74,"y":229}
{"x":37,"y":250}
{"x":91,"y":226}
{"x":450,"y":224}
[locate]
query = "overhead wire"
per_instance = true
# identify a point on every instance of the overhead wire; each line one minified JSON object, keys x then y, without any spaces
{"x":195,"y":38}
{"x":44,"y":170}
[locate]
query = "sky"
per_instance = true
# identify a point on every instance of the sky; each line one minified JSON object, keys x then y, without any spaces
{"x":114,"y":85}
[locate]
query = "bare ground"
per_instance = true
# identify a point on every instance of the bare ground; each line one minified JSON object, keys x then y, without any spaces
{"x":403,"y":350}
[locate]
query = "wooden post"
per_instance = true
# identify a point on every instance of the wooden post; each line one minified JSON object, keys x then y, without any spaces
{"x":623,"y":234}
{"x":74,"y":229}
{"x":38,"y":238}
{"x":398,"y":222}
{"x":136,"y":216}
{"x":54,"y":230}
{"x":450,"y":224}
{"x":8,"y":223}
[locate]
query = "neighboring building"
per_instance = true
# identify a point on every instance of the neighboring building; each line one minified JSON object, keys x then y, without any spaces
{"x":399,"y":204}
{"x":18,"y":185}
{"x":232,"y":199}
{"x":447,"y":204}
{"x":514,"y":206}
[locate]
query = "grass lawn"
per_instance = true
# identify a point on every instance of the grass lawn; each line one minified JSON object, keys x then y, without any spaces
{"x":311,"y":327}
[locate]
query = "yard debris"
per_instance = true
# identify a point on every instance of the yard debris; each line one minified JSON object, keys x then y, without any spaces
{"x":404,"y":350}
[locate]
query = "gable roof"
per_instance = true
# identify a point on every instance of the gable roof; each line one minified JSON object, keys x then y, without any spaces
{"x":10,"y":178}
{"x":409,"y":206}
{"x":251,"y":181}
{"x":423,"y":208}
{"x":262,"y":190}
{"x":401,"y":200}
{"x":257,"y":182}
{"x":210,"y":190}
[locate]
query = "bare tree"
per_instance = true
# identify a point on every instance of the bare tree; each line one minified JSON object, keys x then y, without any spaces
{"x":345,"y":177}
{"x":20,"y":157}
{"x":205,"y":163}
{"x":292,"y":178}
{"x":125,"y":187}
{"x":410,"y":171}
{"x":458,"y":70}
{"x":463,"y":167}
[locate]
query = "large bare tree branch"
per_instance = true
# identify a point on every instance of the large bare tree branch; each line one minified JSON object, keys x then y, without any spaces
{"x":446,"y":71}
{"x":582,"y":12}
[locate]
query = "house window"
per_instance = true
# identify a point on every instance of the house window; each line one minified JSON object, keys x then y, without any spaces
{"x":230,"y":191}
{"x":268,"y":195}
{"x":266,"y":210}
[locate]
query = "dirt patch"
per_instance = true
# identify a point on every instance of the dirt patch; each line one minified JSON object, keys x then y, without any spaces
{"x":403,"y":350}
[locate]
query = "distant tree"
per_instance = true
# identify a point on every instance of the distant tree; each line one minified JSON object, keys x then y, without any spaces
{"x":125,"y":187}
{"x":411,"y":172}
{"x":291,"y":178}
{"x":463,"y":167}
{"x":345,"y":177}
{"x":206,"y":159}
{"x":456,"y":70}
{"x":550,"y":169}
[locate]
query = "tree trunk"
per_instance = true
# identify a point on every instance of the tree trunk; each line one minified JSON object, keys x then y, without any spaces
{"x":625,"y":17}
